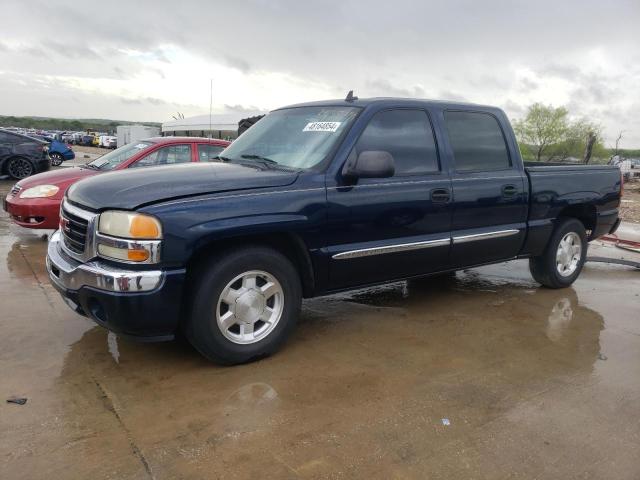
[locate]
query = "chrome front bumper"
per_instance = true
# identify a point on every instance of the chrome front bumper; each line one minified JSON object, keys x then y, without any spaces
{"x":69,"y":274}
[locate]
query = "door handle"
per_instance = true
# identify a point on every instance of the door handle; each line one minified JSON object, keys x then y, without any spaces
{"x":440,"y":195}
{"x":509,"y":190}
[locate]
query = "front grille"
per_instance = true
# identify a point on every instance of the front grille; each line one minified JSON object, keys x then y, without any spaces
{"x":15,"y":190}
{"x":74,"y":231}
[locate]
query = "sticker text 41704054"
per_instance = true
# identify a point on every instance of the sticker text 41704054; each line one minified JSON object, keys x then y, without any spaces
{"x":321,"y":127}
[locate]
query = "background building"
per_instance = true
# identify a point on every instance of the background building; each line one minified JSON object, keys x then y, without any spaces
{"x":223,"y":126}
{"x":132,"y":133}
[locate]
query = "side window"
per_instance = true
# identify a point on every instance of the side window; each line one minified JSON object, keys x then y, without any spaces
{"x":168,"y":155}
{"x":208,"y":153}
{"x":6,"y":137}
{"x":407,"y":136}
{"x":477,"y":141}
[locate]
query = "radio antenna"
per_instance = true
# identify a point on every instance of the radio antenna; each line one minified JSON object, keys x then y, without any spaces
{"x":210,"y":106}
{"x":350,"y":98}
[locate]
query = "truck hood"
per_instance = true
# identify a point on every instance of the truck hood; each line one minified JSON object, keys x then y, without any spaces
{"x":131,"y":188}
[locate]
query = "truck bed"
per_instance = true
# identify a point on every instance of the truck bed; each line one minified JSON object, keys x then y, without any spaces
{"x":593,"y":191}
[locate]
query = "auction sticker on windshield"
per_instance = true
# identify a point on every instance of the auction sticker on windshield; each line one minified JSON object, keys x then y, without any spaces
{"x":321,"y":127}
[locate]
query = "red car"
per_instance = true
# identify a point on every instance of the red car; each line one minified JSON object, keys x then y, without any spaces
{"x":34,"y":202}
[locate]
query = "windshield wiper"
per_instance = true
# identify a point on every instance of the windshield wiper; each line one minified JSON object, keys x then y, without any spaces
{"x":266,"y":161}
{"x":220,"y":157}
{"x":90,"y":166}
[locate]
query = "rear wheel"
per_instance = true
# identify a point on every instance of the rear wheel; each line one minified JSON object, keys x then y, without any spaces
{"x":56,"y":159}
{"x":245,"y":304}
{"x":19,"y":168}
{"x":564,"y":256}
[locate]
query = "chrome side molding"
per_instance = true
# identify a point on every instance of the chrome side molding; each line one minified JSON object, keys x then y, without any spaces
{"x":402,"y":247}
{"x":405,"y":247}
{"x":484,"y":236}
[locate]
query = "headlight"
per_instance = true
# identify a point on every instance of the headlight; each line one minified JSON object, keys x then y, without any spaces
{"x":41,"y":191}
{"x":129,"y":225}
{"x":129,"y":236}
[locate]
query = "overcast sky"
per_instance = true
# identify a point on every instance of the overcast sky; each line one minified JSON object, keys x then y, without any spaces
{"x":146,"y":60}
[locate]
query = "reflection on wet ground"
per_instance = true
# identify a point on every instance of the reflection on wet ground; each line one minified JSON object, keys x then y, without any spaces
{"x":534,"y":383}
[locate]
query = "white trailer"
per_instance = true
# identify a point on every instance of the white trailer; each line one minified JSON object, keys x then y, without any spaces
{"x":133,"y":133}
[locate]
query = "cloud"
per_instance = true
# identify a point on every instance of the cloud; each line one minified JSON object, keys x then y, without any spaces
{"x":155,"y":101}
{"x":237,"y":63}
{"x":131,"y":101}
{"x":529,"y":84}
{"x":384,"y":88}
{"x":243,"y":109}
{"x":284,"y":51}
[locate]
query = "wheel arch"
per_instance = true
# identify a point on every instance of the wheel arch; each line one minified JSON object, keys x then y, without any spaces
{"x":288,"y":244}
{"x":585,"y":212}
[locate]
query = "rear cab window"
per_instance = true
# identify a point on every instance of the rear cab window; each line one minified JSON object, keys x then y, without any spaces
{"x":477,"y":141}
{"x":407,"y":135}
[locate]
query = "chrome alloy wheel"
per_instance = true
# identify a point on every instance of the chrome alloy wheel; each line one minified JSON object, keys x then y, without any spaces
{"x":250,"y":306}
{"x":568,"y":254}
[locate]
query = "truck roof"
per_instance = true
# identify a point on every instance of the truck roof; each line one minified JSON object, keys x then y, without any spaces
{"x":392,"y":101}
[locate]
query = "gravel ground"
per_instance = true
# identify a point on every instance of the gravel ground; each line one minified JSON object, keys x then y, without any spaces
{"x":630,"y":208}
{"x":80,"y":149}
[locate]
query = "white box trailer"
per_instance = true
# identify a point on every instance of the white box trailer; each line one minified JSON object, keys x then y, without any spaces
{"x":133,"y":133}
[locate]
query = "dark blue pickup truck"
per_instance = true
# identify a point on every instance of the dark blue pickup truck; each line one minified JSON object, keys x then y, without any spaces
{"x":313,"y":199}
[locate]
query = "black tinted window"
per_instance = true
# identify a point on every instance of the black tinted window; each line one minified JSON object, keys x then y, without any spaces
{"x":208,"y":153}
{"x":477,"y":141}
{"x":407,"y":136}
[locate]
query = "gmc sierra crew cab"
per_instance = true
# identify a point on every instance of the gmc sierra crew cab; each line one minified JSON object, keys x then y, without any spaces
{"x":313,"y":199}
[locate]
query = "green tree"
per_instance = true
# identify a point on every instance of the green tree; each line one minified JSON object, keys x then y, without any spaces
{"x":542,"y":127}
{"x":582,"y":139}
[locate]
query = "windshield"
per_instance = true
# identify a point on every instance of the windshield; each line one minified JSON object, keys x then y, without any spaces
{"x":297,"y":138}
{"x":112,"y":159}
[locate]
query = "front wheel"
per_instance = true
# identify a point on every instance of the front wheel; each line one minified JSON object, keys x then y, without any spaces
{"x":564,"y":256}
{"x":245,"y":304}
{"x":56,"y":159}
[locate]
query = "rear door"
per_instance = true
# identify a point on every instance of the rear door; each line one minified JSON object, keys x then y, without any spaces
{"x":385,"y":228}
{"x":489,"y":210}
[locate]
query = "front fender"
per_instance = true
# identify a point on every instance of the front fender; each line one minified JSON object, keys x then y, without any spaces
{"x":189,"y":225}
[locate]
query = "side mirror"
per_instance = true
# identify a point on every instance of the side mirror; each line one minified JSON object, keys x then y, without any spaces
{"x":369,"y":164}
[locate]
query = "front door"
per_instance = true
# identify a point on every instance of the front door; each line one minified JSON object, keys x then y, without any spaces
{"x":386,"y":228}
{"x":490,"y":203}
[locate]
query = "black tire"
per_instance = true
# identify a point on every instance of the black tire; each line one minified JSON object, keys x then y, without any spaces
{"x":544,"y":268}
{"x":56,"y":159}
{"x":19,"y":168}
{"x":208,"y":283}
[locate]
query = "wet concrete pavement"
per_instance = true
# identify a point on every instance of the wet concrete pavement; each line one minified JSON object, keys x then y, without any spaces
{"x":534,"y":383}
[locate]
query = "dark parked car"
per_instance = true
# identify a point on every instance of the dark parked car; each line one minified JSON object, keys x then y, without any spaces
{"x":22,"y":156}
{"x":313,"y":199}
